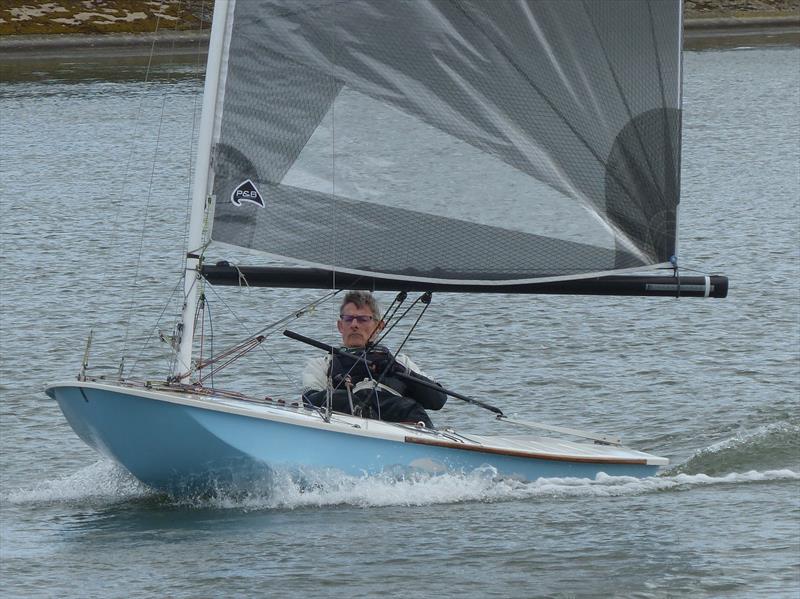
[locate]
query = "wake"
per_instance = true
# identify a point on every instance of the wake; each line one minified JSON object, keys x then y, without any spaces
{"x":104,"y":482}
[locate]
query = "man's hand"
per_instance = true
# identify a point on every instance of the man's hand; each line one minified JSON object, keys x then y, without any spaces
{"x":381,"y":359}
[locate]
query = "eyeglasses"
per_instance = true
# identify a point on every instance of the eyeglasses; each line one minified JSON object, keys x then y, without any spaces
{"x":361,"y":319}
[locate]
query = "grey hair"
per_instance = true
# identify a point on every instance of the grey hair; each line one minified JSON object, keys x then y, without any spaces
{"x":362,"y":299}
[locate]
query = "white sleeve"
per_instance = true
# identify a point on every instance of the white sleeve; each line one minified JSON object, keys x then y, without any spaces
{"x":315,"y":374}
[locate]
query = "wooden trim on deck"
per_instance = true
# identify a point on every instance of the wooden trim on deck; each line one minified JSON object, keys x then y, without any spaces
{"x":526,"y":454}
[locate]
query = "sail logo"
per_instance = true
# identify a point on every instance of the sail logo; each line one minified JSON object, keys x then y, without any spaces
{"x":246,"y":192}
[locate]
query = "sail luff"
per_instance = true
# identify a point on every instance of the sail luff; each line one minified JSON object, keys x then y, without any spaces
{"x":200,"y":184}
{"x":672,"y":157}
{"x":679,"y":149}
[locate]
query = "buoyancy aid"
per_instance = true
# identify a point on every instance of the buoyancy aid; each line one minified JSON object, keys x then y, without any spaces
{"x":377,"y":356}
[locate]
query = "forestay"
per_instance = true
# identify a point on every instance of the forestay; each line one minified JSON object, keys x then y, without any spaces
{"x":451,"y":141}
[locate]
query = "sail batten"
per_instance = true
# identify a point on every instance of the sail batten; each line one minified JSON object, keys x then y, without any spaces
{"x":452,"y":140}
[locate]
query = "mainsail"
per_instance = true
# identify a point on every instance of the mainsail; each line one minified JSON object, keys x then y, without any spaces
{"x":451,"y":141}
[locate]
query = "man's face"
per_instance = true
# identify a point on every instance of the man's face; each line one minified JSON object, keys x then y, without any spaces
{"x":354,"y":332}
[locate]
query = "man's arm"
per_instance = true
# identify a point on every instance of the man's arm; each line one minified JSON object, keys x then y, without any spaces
{"x":315,"y":386}
{"x":315,"y":381}
{"x":427,"y":397}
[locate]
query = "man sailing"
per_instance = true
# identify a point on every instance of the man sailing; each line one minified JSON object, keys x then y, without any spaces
{"x":369,"y":387}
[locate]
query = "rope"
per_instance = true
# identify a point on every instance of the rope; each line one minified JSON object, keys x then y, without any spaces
{"x":243,"y":351}
{"x":425,"y":298}
{"x":197,"y":311}
{"x":398,"y":299}
{"x":158,"y":321}
{"x":211,"y":338}
{"x":387,"y":330}
{"x":256,"y":339}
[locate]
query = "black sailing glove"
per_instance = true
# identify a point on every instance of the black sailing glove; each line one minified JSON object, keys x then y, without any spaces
{"x":382,"y":361}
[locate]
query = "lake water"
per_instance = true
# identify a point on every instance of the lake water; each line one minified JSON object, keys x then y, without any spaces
{"x":93,"y":198}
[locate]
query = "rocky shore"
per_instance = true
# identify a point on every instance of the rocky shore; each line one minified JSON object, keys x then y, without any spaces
{"x":29,"y":27}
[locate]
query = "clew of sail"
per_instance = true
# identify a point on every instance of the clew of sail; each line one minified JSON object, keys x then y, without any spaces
{"x":462,"y":141}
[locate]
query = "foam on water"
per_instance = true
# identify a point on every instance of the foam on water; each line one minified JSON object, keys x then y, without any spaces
{"x":480,"y":485}
{"x":773,"y":446}
{"x":100,"y":482}
{"x":104,"y":482}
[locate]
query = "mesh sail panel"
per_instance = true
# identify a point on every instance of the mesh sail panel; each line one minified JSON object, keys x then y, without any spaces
{"x":459,"y":140}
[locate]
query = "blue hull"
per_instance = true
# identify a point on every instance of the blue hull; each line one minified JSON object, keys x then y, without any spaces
{"x":173,"y":446}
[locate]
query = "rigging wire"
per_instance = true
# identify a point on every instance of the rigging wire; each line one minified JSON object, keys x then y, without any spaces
{"x":126,"y":177}
{"x":144,"y":224}
{"x":389,"y":329}
{"x":388,"y":316}
{"x":158,"y":321}
{"x":257,"y":338}
{"x":241,"y":350}
{"x":147,"y":204}
{"x":334,"y":223}
{"x":199,"y":312}
{"x":398,"y":300}
{"x":211,"y":338}
{"x":151,"y":183}
{"x":190,"y":175}
{"x":425,"y":298}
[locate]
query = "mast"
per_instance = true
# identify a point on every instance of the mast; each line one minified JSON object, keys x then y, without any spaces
{"x":200,"y":184}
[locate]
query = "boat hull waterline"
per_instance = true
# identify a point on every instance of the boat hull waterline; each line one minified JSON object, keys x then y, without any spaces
{"x":177,"y":441}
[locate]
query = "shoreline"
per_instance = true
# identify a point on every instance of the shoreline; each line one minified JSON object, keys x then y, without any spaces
{"x":699,"y":33}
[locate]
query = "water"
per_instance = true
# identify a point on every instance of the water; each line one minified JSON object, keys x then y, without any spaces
{"x":713,"y":385}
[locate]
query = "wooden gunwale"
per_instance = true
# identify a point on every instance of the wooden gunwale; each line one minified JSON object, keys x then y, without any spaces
{"x":526,"y":454}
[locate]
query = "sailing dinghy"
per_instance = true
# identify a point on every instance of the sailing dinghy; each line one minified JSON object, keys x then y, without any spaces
{"x":431,"y":146}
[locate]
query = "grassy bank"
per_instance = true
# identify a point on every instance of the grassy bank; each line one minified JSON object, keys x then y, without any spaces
{"x":31,"y":17}
{"x":97,"y":17}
